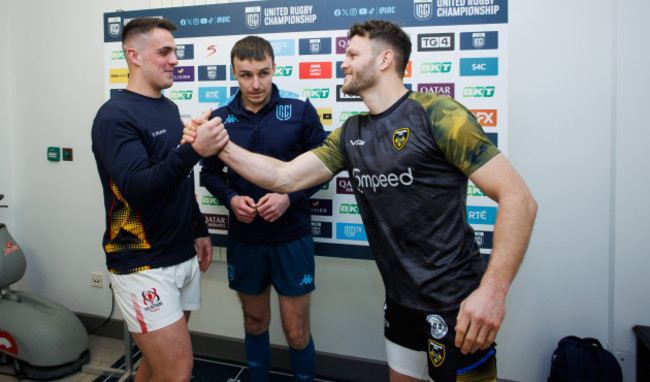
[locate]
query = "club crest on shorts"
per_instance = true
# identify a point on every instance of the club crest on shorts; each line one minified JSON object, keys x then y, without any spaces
{"x":439,"y":327}
{"x":436,"y":353}
{"x":400,"y":137}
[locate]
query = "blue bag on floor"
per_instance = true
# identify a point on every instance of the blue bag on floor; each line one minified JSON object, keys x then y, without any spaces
{"x":583,"y":360}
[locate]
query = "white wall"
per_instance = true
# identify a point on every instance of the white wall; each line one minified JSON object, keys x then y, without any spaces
{"x":576,"y":85}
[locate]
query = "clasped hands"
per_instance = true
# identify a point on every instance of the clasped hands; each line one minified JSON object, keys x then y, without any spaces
{"x":207,"y":137}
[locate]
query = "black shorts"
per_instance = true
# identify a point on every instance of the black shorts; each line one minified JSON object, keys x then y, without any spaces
{"x":433,"y":333}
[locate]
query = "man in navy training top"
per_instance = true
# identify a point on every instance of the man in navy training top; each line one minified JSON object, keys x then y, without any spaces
{"x":270,"y":239}
{"x":152,"y":219}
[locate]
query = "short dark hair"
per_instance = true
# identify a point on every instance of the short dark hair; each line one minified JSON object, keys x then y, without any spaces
{"x":389,"y":34}
{"x":144,"y":25}
{"x":252,"y":48}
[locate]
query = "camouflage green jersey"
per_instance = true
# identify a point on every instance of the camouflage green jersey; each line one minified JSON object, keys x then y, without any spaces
{"x":409,"y":167}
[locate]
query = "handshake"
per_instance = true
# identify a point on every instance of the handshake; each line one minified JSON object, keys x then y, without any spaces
{"x":207,"y":137}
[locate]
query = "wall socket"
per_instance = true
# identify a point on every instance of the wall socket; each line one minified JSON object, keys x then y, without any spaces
{"x":96,"y":280}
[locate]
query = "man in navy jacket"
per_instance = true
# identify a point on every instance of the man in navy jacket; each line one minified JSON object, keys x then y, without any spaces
{"x":270,"y":239}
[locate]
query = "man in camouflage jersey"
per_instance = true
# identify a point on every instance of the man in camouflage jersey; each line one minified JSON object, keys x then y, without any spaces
{"x":409,"y":160}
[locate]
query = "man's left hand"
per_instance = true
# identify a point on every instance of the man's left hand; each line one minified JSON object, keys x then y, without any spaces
{"x":479,"y":319}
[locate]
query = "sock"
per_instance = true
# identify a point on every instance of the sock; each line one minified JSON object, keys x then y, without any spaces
{"x":258,"y":355}
{"x":303,"y":362}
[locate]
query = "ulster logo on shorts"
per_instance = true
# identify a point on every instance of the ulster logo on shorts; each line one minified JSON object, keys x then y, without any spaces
{"x":400,"y":136}
{"x":438,"y":326}
{"x":151,"y":300}
{"x":436,"y":353}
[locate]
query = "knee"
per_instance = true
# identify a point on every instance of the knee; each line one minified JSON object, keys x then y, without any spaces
{"x":255,"y":325}
{"x":297,"y":338}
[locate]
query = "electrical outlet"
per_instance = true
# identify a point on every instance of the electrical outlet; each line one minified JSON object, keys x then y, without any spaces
{"x":96,"y":280}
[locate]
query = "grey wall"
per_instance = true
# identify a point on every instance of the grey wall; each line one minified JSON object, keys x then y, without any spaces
{"x":577,"y":135}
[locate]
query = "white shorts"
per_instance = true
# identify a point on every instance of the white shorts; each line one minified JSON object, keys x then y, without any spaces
{"x":405,"y":361}
{"x":155,"y":298}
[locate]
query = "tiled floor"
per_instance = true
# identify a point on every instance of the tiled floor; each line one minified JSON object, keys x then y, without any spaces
{"x":104,"y":352}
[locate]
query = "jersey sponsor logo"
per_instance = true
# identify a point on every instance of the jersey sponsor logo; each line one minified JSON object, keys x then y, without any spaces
{"x":485,"y":117}
{"x":400,"y":137}
{"x":436,"y":353}
{"x":481,"y":215}
{"x":283,"y":112}
{"x":357,"y":142}
{"x":486,"y":66}
{"x":438,"y":326}
{"x":321,"y":229}
{"x":184,"y":51}
{"x":479,"y":40}
{"x":422,"y":9}
{"x":435,"y":41}
{"x":315,"y":70}
{"x":216,"y":221}
{"x":321,"y":207}
{"x":350,"y":231}
{"x":184,"y":74}
{"x":374,"y":181}
{"x":447,"y":89}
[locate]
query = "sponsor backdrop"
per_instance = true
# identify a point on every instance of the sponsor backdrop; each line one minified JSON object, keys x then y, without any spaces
{"x":458,"y":50}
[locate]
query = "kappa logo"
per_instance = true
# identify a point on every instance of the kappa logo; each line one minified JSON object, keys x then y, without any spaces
{"x":231,"y":272}
{"x":439,"y":327}
{"x":400,"y":137}
{"x":230,"y":119}
{"x":436,"y":353}
{"x":253,"y":17}
{"x":306,"y":280}
{"x":283,"y":112}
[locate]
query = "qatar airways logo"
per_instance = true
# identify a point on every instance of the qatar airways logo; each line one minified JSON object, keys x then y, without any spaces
{"x":375,"y":181}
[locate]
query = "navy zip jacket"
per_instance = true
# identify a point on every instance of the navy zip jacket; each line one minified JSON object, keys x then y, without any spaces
{"x":284,"y":128}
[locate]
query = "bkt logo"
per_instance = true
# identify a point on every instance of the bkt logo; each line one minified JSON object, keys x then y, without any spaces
{"x":181,"y":95}
{"x":481,"y":215}
{"x":348,"y":231}
{"x":479,"y":40}
{"x":117,"y":55}
{"x":485,"y":117}
{"x":447,"y":89}
{"x":472,"y":190}
{"x":488,"y":66}
{"x":478,"y":91}
{"x":351,"y":209}
{"x":435,"y":41}
{"x":208,"y":200}
{"x":347,"y":114}
{"x":435,"y":67}
{"x":283,"y":71}
{"x":316,"y":93}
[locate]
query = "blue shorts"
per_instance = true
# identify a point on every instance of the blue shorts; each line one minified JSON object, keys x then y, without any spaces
{"x":289,"y":266}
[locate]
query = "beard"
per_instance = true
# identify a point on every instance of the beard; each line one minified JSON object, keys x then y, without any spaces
{"x":359,"y":81}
